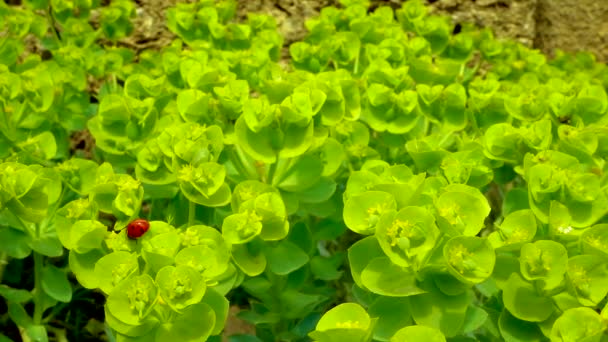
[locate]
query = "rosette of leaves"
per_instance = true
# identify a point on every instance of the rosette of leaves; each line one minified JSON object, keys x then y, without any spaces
{"x":310,"y":57}
{"x":591,"y":104}
{"x":583,"y":143}
{"x":116,"y":19}
{"x":160,"y":249}
{"x":505,"y":143}
{"x":390,"y":110}
{"x":204,"y":184}
{"x":117,"y":194}
{"x":442,"y":71}
{"x":185,"y":156}
{"x":526,"y":100}
{"x":343,"y":97}
{"x":461,"y":210}
{"x":202,"y":20}
{"x":517,"y":228}
{"x":377,"y":175}
{"x":78,"y":174}
{"x":407,"y":236}
{"x":486,"y":101}
{"x":204,"y":249}
{"x":263,"y":215}
{"x":62,"y":10}
{"x":428,"y":152}
{"x":354,"y":138}
{"x":36,"y":92}
{"x":468,"y":166}
{"x":27,"y":191}
{"x":379,"y":26}
{"x":180,"y":286}
{"x":27,"y":195}
{"x":272,"y":131}
{"x":444,"y":106}
{"x":122,"y":124}
{"x":544,"y":262}
{"x":259,"y":215}
{"x":557,"y":180}
{"x":470,"y":259}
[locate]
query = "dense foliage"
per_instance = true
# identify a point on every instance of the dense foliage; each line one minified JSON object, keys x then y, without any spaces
{"x":398,"y":179}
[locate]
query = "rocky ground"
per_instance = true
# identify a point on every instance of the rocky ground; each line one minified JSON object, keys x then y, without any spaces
{"x":570,"y":25}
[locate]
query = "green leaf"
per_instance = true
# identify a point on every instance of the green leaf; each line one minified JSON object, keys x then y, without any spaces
{"x":285,"y":258}
{"x":474,"y":319}
{"x":249,"y":258}
{"x":516,"y":330}
{"x":595,"y":240}
{"x":418,"y":333}
{"x":381,"y":276}
{"x":15,"y":295}
{"x":210,"y":257}
{"x":578,"y":324}
{"x":220,"y":305}
{"x":83,"y":267}
{"x":589,"y":278}
{"x":160,"y":250}
{"x":19,"y":247}
{"x":47,"y":245}
{"x":348,"y":320}
{"x":112,"y":269}
{"x":327,"y":268}
{"x":195,"y":323}
{"x":524,"y":302}
{"x":192,"y":104}
{"x":86,"y":235}
{"x":360,"y":254}
{"x":392,"y":313}
{"x":517,"y":228}
{"x":55,"y":283}
{"x":440,"y":311}
{"x":304,"y":173}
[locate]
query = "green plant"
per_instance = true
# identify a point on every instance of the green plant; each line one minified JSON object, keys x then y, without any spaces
{"x":395,"y":181}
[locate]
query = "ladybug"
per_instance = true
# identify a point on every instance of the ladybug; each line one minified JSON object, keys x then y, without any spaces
{"x":137,"y":228}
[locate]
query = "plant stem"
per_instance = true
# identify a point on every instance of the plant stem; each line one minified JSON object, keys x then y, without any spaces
{"x":51,"y":20}
{"x":191,"y":213}
{"x":38,"y":265}
{"x":3,"y":263}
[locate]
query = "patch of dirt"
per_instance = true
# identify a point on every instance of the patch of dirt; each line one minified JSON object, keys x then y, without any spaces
{"x":573,"y":25}
{"x":508,"y":18}
{"x":235,"y":325}
{"x":82,"y":144}
{"x":290,"y":14}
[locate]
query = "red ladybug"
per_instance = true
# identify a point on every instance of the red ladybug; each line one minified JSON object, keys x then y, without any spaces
{"x":137,"y":228}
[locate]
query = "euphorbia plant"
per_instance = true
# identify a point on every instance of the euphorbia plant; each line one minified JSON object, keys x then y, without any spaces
{"x":393,"y":181}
